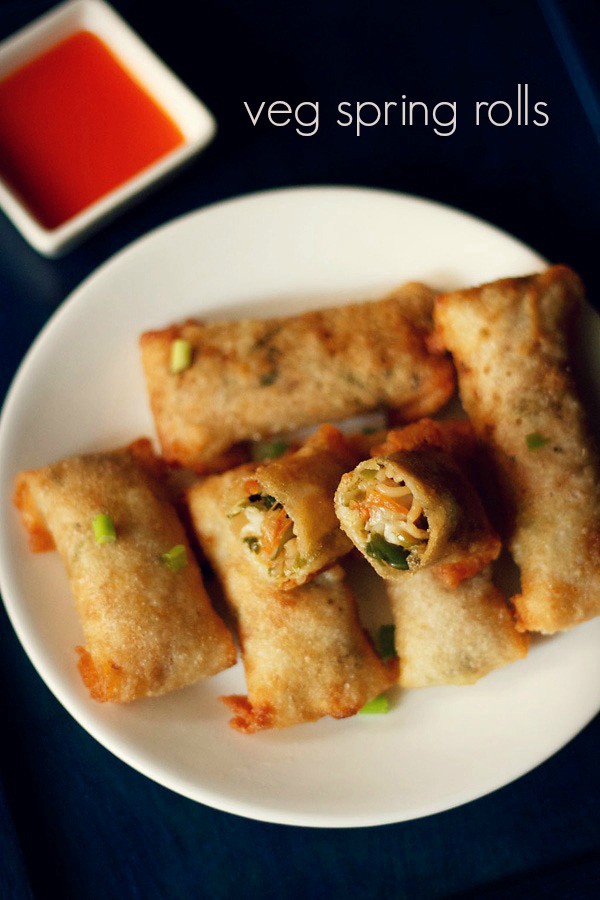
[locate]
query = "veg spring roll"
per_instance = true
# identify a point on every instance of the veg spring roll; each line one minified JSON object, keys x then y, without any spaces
{"x":305,"y":653}
{"x":282,"y":512}
{"x":148,"y":624}
{"x":412,"y":509}
{"x":212,"y":386}
{"x":451,"y":636}
{"x":510,"y":342}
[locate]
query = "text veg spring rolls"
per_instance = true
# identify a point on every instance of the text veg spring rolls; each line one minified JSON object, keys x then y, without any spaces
{"x":212,"y":386}
{"x":147,"y":621}
{"x":510,"y":342}
{"x":305,"y":653}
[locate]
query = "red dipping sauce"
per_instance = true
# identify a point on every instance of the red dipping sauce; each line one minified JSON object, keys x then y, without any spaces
{"x":74,"y":125}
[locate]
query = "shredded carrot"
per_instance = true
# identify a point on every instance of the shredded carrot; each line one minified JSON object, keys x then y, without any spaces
{"x":252,"y":486}
{"x":363,"y":511}
{"x":375,"y":498}
{"x":274,"y":527}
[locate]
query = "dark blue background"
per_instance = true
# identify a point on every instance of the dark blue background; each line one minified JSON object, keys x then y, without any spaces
{"x":73,"y":819}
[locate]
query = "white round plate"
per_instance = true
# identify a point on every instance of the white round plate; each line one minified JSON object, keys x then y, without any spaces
{"x":80,"y":388}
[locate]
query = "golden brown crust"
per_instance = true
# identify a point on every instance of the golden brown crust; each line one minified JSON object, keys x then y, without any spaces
{"x":305,"y":653}
{"x":510,"y":344}
{"x":461,"y":540}
{"x":303,"y":483}
{"x":147,"y":630}
{"x":457,"y":439}
{"x":454,"y":436}
{"x":451,"y":636}
{"x":253,"y":379}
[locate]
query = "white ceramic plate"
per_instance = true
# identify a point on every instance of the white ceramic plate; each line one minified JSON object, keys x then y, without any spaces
{"x":80,"y":388}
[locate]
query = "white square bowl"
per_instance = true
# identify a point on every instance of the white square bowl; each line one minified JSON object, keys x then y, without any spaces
{"x":190,"y":115}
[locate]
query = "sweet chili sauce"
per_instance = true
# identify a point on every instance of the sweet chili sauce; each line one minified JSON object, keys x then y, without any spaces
{"x":74,"y":124}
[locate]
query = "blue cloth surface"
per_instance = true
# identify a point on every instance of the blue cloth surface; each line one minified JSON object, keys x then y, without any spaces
{"x":75,"y":821}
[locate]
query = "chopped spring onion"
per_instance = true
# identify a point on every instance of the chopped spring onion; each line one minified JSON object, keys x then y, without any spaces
{"x":264,"y":501}
{"x":104,"y":529}
{"x":368,"y":474}
{"x":181,"y":356}
{"x":535,"y":440}
{"x":175,"y":559}
{"x":379,"y":704}
{"x":380,"y":549}
{"x":268,"y":378}
{"x":268,"y":450}
{"x":253,"y":544}
{"x":385,"y":642}
{"x":287,"y":535}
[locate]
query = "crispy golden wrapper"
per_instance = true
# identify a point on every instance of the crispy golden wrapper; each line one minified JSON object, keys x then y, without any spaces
{"x":414,"y":508}
{"x":282,"y":511}
{"x":252,"y":379}
{"x":305,"y":653}
{"x":448,"y":632}
{"x":510,"y":342}
{"x":451,"y":636}
{"x":147,"y":629}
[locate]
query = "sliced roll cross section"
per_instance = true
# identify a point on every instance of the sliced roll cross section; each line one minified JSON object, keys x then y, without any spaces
{"x":305,"y":653}
{"x":414,"y":509}
{"x":282,"y":512}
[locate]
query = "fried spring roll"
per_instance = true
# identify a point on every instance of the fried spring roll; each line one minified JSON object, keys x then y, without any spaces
{"x":305,"y":653}
{"x":451,"y":636}
{"x":455,"y":437}
{"x":253,"y":379}
{"x":282,"y":512}
{"x":148,"y":628}
{"x":413,"y":509}
{"x":510,"y":343}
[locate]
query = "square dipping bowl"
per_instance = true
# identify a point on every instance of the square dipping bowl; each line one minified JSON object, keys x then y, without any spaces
{"x":139,"y":65}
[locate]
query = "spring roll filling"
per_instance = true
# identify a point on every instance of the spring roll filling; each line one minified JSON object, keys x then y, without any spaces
{"x":266,"y":529}
{"x":393,"y":522}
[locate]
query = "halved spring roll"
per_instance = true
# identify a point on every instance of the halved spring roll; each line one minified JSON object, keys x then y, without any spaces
{"x":282,"y":513}
{"x":451,"y":636}
{"x":413,"y":509}
{"x":455,"y":437}
{"x":510,"y":342}
{"x":251,"y":379}
{"x":147,"y":621}
{"x":305,"y":653}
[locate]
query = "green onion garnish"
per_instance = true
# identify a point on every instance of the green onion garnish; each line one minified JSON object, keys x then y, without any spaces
{"x":175,"y":559}
{"x":368,"y":474}
{"x":268,"y":450}
{"x":104,"y":529}
{"x":535,"y":440}
{"x":253,"y":544}
{"x":181,"y":356}
{"x":268,"y":378}
{"x":385,"y":642}
{"x":379,"y":704}
{"x":264,"y":501}
{"x":380,"y":549}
